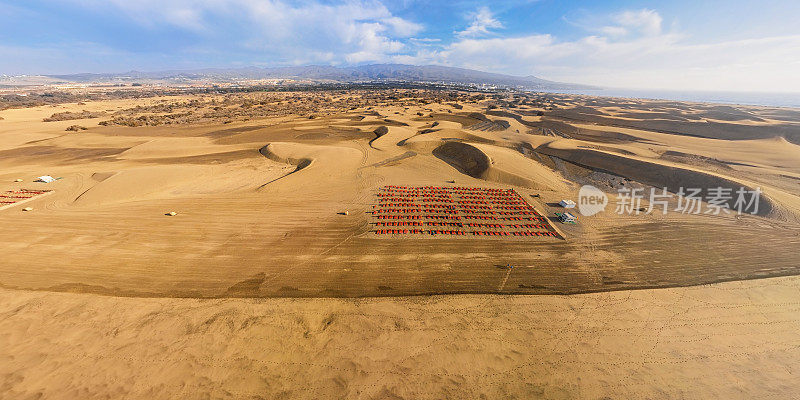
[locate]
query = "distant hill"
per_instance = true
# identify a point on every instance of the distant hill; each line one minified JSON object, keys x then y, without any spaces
{"x":373,"y":72}
{"x":26,"y":80}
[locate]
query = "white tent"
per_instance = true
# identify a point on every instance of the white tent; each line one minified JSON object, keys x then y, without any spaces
{"x":567,"y":203}
{"x":45,"y":179}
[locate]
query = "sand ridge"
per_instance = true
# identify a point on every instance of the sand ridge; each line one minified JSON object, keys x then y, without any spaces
{"x":267,"y":283}
{"x":733,"y":340}
{"x":260,"y":196}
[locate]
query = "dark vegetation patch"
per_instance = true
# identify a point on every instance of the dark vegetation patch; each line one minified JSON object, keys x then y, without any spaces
{"x":68,"y":116}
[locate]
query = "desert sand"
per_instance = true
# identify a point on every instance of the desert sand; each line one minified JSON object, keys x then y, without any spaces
{"x":107,"y":295}
{"x":735,"y":340}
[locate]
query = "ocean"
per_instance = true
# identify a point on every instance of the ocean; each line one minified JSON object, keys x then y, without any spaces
{"x":746,"y":98}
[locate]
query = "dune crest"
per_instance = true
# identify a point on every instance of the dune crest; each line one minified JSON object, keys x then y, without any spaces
{"x":513,"y":168}
{"x":659,"y":174}
{"x":282,"y":186}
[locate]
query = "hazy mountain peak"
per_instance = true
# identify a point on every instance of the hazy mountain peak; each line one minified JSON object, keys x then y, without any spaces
{"x":369,"y":72}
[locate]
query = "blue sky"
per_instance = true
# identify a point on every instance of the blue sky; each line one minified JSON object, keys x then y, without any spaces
{"x":702,"y":45}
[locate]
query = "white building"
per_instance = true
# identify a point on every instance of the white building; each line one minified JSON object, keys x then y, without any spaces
{"x":567,"y":203}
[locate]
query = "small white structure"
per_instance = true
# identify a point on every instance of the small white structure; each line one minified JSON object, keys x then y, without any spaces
{"x":567,"y":203}
{"x":45,"y":179}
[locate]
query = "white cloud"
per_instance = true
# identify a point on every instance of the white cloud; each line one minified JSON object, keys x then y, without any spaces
{"x":635,"y":52}
{"x":642,"y":22}
{"x":372,"y":45}
{"x":401,"y":27}
{"x":664,"y":61}
{"x":614,"y":31}
{"x":282,"y":31}
{"x":645,"y":21}
{"x":630,"y":48}
{"x":482,"y":21}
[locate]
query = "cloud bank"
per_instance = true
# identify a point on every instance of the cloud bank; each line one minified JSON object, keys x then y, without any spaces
{"x":636,"y":48}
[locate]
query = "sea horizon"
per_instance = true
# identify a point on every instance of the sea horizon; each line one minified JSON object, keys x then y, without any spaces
{"x":766,"y":99}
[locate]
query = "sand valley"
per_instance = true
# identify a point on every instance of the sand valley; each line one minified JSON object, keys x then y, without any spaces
{"x":272,"y":270}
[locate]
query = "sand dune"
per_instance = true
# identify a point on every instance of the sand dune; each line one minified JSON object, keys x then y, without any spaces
{"x":391,"y":138}
{"x":262,"y":198}
{"x":176,"y":148}
{"x":656,"y":174}
{"x":498,"y":165}
{"x":316,"y":162}
{"x":736,"y":340}
{"x":275,"y":197}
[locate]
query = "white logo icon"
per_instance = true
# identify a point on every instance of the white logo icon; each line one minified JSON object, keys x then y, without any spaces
{"x":591,"y":200}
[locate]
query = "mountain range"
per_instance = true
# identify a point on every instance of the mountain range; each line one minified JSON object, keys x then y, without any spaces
{"x":363,"y":73}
